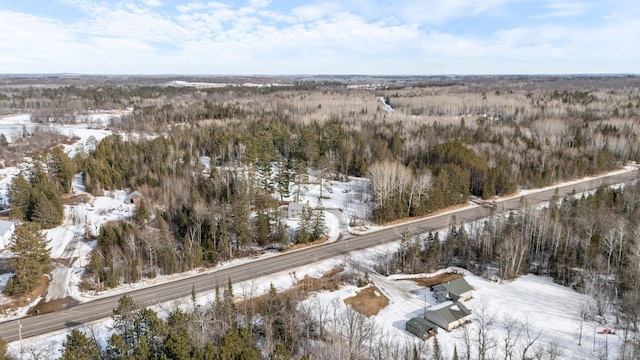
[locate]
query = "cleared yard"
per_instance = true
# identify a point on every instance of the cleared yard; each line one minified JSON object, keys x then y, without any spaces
{"x":369,"y":301}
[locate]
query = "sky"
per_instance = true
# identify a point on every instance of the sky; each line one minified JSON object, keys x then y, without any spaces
{"x":272,"y":37}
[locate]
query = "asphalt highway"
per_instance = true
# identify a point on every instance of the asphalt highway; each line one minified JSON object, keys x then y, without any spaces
{"x":102,"y":308}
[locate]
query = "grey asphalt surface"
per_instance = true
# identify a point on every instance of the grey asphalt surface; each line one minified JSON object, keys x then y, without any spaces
{"x":102,"y":308}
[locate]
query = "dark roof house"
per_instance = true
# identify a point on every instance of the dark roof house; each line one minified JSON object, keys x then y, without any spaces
{"x":448,"y":315}
{"x":421,"y":327}
{"x":454,"y":290}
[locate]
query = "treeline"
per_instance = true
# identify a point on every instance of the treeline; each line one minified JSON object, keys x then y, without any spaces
{"x":472,"y":161}
{"x":273,"y":326}
{"x":290,"y":325}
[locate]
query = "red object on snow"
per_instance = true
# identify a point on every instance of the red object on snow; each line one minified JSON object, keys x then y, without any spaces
{"x":605,"y":331}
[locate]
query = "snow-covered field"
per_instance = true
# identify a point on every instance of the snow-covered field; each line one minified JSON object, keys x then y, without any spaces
{"x":551,"y":310}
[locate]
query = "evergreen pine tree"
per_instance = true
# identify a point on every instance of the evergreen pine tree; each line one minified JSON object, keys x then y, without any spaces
{"x":124,"y":320}
{"x":229,"y":304}
{"x":177,"y":345}
{"x":48,"y":210}
{"x":284,"y":179}
{"x":148,"y":327}
{"x":80,"y":347}
{"x":117,"y":348}
{"x":304,"y":233}
{"x":31,"y":259}
{"x":142,"y":214}
{"x":318,"y":225}
{"x":143,"y":351}
{"x":238,"y":343}
{"x":437,"y":352}
{"x":19,"y":195}
{"x":61,"y":168}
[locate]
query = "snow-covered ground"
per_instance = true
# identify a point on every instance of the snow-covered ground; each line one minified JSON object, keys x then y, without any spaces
{"x":13,"y":126}
{"x":552,"y":310}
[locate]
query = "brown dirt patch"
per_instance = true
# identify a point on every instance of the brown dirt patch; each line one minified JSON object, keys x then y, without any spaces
{"x":369,"y":301}
{"x":432,"y":281}
{"x":20,"y":301}
{"x":51,"y":306}
{"x":300,"y":246}
{"x":75,"y":199}
{"x":330,"y":280}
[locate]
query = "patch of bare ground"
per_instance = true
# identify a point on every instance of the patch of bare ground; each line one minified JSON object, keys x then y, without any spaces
{"x":331,"y":280}
{"x":51,"y":306}
{"x":301,"y":246}
{"x":20,"y":301}
{"x":432,"y":281}
{"x":75,"y":199}
{"x":369,"y":301}
{"x":71,"y":140}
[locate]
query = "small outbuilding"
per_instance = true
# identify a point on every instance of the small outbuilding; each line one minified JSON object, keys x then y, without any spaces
{"x":6,"y":230}
{"x":133,"y":198}
{"x":454,"y":290}
{"x":448,"y":315}
{"x":421,"y":327}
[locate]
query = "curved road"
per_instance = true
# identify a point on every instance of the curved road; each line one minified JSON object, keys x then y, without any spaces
{"x":102,"y":308}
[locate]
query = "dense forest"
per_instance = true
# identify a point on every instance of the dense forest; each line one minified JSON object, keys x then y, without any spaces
{"x":423,"y":146}
{"x":442,"y":143}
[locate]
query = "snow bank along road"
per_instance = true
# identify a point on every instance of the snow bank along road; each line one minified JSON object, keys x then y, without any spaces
{"x":102,"y":308}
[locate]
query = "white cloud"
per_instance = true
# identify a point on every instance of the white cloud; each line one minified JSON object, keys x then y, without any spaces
{"x":316,"y":11}
{"x":318,"y":37}
{"x":563,"y":9}
{"x":437,"y":11}
{"x":152,"y":3}
{"x":276,"y":16}
{"x":131,"y":22}
{"x":190,"y":7}
{"x":259,"y":3}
